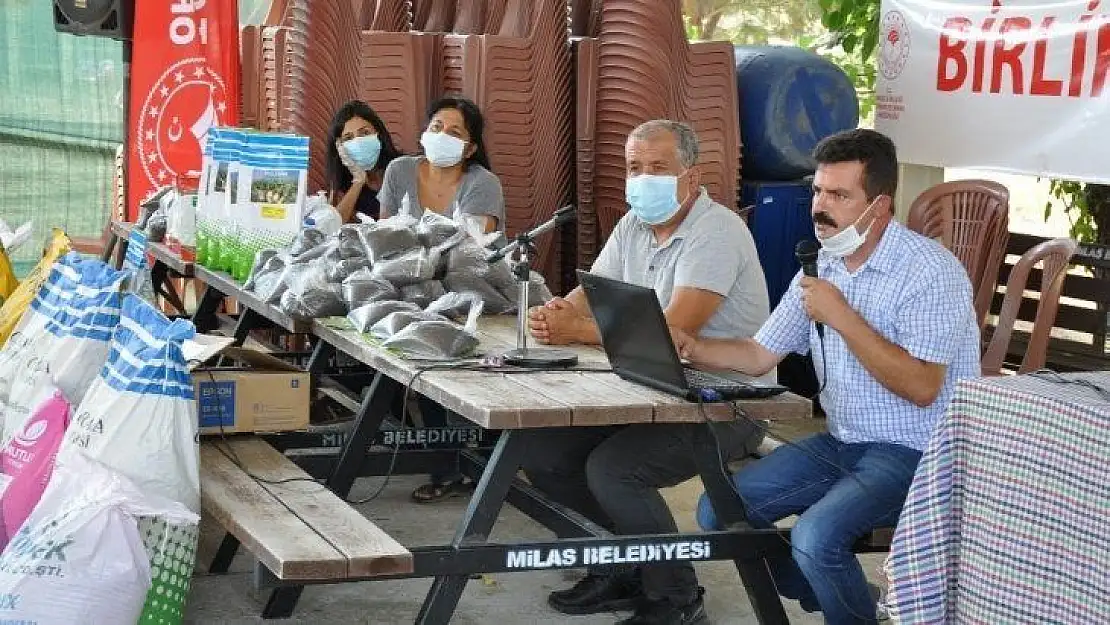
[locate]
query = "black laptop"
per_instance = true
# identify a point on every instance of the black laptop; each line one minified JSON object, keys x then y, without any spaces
{"x":635,"y":336}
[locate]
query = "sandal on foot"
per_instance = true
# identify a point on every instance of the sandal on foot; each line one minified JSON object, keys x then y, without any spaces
{"x":431,"y":493}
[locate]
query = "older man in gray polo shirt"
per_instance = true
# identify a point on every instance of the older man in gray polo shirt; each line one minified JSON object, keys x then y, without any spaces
{"x":701,"y":260}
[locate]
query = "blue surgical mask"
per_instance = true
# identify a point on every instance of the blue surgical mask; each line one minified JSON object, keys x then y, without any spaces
{"x":652,"y":198}
{"x":364,"y":151}
{"x":441,"y":149}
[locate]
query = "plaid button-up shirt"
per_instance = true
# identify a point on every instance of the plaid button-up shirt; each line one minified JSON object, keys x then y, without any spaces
{"x":914,"y":293}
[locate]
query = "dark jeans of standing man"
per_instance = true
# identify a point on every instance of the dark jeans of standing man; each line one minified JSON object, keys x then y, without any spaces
{"x":612,"y":475}
{"x":841,"y":491}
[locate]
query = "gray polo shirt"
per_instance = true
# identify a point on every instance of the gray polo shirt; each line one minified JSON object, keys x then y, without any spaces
{"x":479,"y":191}
{"x":712,"y":249}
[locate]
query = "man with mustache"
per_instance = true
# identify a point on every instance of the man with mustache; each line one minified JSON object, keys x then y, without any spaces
{"x":899,"y":332}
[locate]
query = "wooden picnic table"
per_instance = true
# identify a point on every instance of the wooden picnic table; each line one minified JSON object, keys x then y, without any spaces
{"x":512,"y":400}
{"x":549,"y":398}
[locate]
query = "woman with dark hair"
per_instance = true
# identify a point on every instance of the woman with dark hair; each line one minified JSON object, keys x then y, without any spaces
{"x":453,"y":176}
{"x":358,"y":153}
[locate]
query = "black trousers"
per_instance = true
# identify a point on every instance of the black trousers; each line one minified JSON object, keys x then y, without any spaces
{"x":612,"y":475}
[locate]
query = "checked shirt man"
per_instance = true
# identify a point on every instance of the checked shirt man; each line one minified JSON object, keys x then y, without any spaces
{"x":900,"y":332}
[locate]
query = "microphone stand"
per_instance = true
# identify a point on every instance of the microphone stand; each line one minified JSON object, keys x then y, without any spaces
{"x":524,"y":246}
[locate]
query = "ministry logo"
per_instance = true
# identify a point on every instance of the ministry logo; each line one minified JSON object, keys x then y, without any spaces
{"x":186,"y":100}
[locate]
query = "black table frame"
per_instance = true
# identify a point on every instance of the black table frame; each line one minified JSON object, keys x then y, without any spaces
{"x":470,"y":552}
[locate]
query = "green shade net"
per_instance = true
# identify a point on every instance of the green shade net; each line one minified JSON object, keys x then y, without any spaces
{"x":61,"y":120}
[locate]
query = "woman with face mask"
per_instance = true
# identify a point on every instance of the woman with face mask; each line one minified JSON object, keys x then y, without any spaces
{"x":452,"y":177}
{"x":358,"y":153}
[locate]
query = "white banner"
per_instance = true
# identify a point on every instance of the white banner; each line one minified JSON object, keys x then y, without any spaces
{"x":1020,"y":87}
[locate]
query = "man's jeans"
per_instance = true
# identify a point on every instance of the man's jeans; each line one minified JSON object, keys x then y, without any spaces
{"x":841,"y":491}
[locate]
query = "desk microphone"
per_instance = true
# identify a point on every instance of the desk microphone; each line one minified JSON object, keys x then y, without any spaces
{"x":806,"y":253}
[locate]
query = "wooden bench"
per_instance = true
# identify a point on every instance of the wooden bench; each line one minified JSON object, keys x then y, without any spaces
{"x":1083,"y":307}
{"x":299,"y":530}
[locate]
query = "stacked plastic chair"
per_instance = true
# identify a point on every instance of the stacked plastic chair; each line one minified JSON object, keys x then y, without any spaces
{"x":520,"y":75}
{"x":646,"y":69}
{"x":398,"y":72}
{"x":324,"y":45}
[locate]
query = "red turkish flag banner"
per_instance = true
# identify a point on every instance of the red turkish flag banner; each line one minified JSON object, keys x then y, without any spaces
{"x":184,"y":80}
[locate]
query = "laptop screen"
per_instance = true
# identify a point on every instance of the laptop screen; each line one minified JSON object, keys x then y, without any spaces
{"x":633,"y":329}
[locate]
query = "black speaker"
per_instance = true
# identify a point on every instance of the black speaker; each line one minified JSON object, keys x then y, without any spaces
{"x":100,"y":18}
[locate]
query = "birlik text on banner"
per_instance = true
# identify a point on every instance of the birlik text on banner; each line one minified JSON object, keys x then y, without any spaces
{"x":1017,"y":86}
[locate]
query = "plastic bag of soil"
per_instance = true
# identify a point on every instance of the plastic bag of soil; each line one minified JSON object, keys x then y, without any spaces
{"x":390,"y":238}
{"x":350,"y":242}
{"x":364,"y":317}
{"x":310,"y":295}
{"x":305,"y":240}
{"x":496,"y":303}
{"x":260,"y":261}
{"x":340,"y":270}
{"x":394,"y":322}
{"x":269,"y":280}
{"x":434,"y":229}
{"x":435,"y":339}
{"x":423,"y":293}
{"x":415,"y":266}
{"x":456,"y":305}
{"x":316,"y":253}
{"x":361,"y":288}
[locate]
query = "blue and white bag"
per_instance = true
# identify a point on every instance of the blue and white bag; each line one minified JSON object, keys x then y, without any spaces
{"x":63,"y":339}
{"x":139,"y":419}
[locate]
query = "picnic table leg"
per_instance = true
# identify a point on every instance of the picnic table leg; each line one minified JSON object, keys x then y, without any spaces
{"x":221,"y":562}
{"x":159,"y":279}
{"x":113,"y":241}
{"x":372,"y":412}
{"x":318,"y":361}
{"x":205,"y":316}
{"x":485,"y":504}
{"x":730,"y":509}
{"x":248,"y":320}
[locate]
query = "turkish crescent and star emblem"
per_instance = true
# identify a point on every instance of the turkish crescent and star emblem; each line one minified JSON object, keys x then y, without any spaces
{"x":894,"y":47}
{"x":186,"y":101}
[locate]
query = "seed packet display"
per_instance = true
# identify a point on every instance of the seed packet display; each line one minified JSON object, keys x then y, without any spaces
{"x":273,"y":182}
{"x":225,"y":155}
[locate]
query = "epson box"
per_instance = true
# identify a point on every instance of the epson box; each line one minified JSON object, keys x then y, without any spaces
{"x":262,"y":394}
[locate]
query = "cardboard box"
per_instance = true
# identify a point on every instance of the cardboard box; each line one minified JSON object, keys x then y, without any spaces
{"x":265,"y":395}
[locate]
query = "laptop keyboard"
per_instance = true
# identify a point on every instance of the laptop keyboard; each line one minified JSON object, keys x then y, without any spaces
{"x":700,"y":379}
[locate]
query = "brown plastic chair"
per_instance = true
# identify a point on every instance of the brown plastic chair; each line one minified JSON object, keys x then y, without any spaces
{"x":971,"y":218}
{"x":1056,"y":255}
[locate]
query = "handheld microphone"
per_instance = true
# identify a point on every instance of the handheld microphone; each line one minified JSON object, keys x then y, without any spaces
{"x":806,"y":253}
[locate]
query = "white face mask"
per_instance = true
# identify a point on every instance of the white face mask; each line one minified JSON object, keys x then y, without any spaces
{"x":847,"y":241}
{"x":442,"y":149}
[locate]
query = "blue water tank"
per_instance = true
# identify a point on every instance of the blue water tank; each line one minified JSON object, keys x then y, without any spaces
{"x":779,"y":218}
{"x":790,"y":99}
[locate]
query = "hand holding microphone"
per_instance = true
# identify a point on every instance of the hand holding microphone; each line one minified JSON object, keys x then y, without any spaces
{"x":806,"y":253}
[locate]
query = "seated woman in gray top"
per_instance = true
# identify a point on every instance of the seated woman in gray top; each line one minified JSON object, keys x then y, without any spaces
{"x":452,"y":177}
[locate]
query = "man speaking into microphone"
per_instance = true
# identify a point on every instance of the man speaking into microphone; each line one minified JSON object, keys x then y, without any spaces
{"x":899,"y":332}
